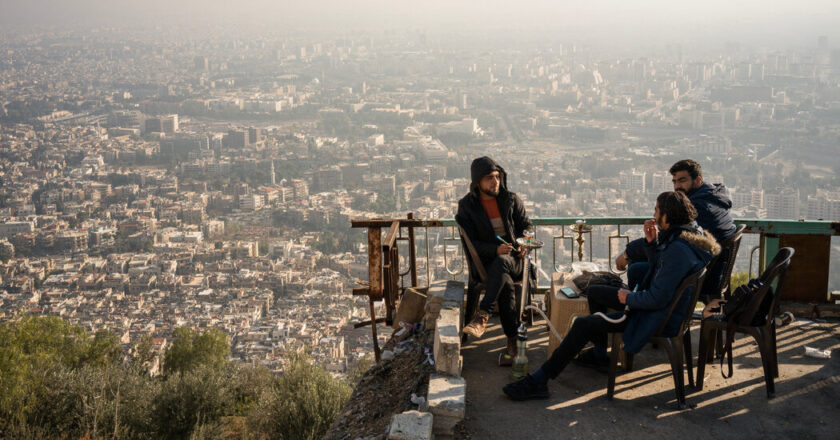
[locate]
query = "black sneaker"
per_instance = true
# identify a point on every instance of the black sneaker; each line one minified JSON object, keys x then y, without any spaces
{"x":526,"y":389}
{"x":588,"y":359}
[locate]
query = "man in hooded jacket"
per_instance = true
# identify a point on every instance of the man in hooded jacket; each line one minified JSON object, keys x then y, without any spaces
{"x":492,"y":217}
{"x":680,"y":249}
{"x":712,"y":203}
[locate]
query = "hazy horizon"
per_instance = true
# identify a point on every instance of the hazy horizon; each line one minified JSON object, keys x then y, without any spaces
{"x":601,"y":23}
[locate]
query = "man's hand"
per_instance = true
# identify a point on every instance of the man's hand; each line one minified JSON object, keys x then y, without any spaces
{"x":622,"y":295}
{"x":521,"y":252}
{"x":504,"y":249}
{"x":650,"y":230}
{"x":621,"y":261}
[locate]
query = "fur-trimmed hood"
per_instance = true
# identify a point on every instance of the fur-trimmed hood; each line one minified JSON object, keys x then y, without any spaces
{"x":702,"y":239}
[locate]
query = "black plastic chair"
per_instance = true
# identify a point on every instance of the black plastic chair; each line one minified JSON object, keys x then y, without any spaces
{"x":732,"y":244}
{"x":730,"y":248}
{"x":677,"y":346}
{"x":764,"y":334}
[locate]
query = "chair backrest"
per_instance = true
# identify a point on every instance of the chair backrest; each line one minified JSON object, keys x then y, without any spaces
{"x":694,"y":282}
{"x":476,"y":268}
{"x":732,"y":244}
{"x":775,"y":271}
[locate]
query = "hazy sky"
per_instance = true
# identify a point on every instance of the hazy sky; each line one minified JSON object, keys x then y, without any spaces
{"x":639,"y":21}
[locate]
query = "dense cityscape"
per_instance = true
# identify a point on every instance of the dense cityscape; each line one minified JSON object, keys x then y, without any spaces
{"x":150,"y":182}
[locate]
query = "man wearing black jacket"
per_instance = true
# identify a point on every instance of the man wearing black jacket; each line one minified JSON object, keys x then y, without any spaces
{"x":488,"y":213}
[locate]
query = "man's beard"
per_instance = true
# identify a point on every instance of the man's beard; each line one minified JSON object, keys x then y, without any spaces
{"x":489,"y":193}
{"x":659,"y":223}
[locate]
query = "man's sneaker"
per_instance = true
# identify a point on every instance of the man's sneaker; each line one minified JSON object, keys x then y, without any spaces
{"x":589,"y":359}
{"x":525,"y":389}
{"x":478,"y":325}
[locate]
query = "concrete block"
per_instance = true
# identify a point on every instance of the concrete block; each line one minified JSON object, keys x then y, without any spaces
{"x":443,"y":294}
{"x":450,"y":290}
{"x":412,"y":306}
{"x":445,"y":425}
{"x":411,"y":425}
{"x":447,"y":400}
{"x":447,"y":343}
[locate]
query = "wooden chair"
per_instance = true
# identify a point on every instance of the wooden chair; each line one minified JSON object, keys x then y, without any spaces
{"x":677,"y":346}
{"x":764,"y":334}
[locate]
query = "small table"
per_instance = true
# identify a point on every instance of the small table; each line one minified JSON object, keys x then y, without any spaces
{"x":564,"y":310}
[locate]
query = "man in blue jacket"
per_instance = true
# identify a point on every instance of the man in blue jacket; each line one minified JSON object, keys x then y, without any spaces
{"x":712,"y":203}
{"x":679,"y":249}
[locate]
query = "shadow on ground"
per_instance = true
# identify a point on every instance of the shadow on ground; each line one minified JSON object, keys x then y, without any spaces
{"x":807,"y":403}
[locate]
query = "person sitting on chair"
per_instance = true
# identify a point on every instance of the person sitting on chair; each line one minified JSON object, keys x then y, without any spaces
{"x":488,"y":213}
{"x":712,"y":203}
{"x":680,"y":249}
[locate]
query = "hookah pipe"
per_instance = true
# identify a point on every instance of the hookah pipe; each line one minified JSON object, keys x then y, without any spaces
{"x":617,"y":320}
{"x":521,"y":329}
{"x":599,"y":314}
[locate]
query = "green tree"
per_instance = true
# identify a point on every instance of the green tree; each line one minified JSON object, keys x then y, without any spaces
{"x":191,"y":349}
{"x":186,"y":401}
{"x":32,"y":345}
{"x":302,"y":404}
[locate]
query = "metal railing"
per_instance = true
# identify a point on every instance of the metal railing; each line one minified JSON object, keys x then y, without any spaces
{"x":806,"y":281}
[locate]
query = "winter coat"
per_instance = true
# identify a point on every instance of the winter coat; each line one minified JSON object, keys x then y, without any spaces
{"x":677,"y":252}
{"x":472,"y":218}
{"x":712,"y":203}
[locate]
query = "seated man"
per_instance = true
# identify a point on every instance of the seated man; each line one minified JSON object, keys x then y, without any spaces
{"x":712,"y":203}
{"x":680,"y":249}
{"x":486,"y":214}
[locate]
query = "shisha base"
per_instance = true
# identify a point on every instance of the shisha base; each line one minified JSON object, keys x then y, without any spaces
{"x":519,"y":369}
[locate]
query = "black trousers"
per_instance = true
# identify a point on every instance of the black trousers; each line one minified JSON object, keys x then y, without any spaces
{"x":601,"y":298}
{"x":501,"y":274}
{"x":587,"y":329}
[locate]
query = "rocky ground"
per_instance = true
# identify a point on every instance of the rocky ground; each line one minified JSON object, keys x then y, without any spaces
{"x":385,"y":390}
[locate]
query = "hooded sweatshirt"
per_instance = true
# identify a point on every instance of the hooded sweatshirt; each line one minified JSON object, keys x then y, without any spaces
{"x":712,"y":203}
{"x":473,"y":219}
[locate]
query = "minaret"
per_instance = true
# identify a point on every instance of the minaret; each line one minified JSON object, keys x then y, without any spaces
{"x":273,"y":177}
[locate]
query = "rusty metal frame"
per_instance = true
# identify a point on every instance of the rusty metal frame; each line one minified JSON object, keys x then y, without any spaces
{"x":384,"y":276}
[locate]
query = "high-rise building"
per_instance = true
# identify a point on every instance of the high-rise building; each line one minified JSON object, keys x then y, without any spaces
{"x":273,"y":176}
{"x":237,"y":139}
{"x":661,"y":182}
{"x":824,"y":205}
{"x":783,"y":204}
{"x":153,"y":125}
{"x":169,"y":123}
{"x":201,"y":63}
{"x":632,"y":180}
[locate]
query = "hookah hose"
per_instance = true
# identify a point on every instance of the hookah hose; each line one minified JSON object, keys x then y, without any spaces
{"x":617,"y":320}
{"x":547,"y":321}
{"x":599,"y":314}
{"x":613,"y":320}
